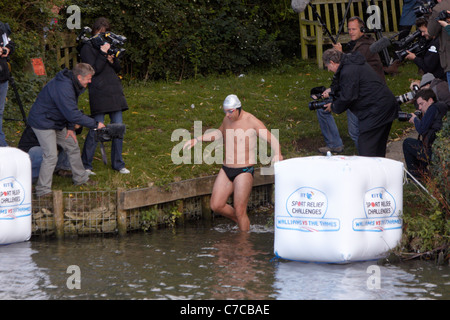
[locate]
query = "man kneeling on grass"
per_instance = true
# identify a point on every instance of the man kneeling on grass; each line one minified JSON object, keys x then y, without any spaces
{"x":236,"y":175}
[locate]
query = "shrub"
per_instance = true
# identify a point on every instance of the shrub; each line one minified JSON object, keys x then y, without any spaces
{"x":185,"y":38}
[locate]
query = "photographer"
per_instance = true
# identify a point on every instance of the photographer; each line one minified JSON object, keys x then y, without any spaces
{"x":417,"y":152}
{"x":429,"y":62}
{"x":7,"y":48}
{"x":437,"y":31}
{"x":439,"y":87}
{"x":358,"y":87}
{"x":360,"y":42}
{"x":105,"y":96}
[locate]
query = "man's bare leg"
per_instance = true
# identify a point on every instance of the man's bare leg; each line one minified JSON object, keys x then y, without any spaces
{"x":222,"y":190}
{"x":243,"y":184}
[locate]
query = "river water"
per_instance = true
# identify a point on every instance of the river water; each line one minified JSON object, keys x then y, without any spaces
{"x":200,"y":261}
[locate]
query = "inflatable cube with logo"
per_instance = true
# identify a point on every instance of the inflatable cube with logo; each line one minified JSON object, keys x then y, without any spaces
{"x":337,"y":209}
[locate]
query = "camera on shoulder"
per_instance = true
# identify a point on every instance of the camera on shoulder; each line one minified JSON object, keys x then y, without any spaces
{"x":116,"y":41}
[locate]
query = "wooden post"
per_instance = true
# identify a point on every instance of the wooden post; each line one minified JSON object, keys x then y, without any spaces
{"x":206,"y":208}
{"x":58,"y":213}
{"x":121,"y":213}
{"x":180,"y":208}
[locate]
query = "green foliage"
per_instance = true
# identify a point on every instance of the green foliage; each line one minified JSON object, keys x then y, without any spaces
{"x":156,"y":216}
{"x":441,"y":161}
{"x":33,"y":32}
{"x":427,"y":224}
{"x":180,"y":39}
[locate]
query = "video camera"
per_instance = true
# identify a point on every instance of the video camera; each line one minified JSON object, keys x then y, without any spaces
{"x":424,"y":7}
{"x":111,"y":131}
{"x":319,"y":101}
{"x":414,"y":43}
{"x":116,"y":41}
{"x":4,"y":29}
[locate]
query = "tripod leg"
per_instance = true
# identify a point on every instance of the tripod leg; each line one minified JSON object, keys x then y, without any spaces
{"x":19,"y":101}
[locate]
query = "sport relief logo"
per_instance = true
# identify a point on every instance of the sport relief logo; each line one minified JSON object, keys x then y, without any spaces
{"x":380,"y":210}
{"x":306,"y":208}
{"x":12,"y":196}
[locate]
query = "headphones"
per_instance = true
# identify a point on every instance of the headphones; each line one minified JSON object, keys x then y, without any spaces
{"x":363,"y":28}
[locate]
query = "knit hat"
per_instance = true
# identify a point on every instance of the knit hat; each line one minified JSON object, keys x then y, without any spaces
{"x":426,"y":79}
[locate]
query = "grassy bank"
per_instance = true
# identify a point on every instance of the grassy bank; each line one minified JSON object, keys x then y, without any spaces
{"x":279,"y":97}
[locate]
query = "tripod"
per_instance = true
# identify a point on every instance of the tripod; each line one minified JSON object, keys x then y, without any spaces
{"x":377,"y":31}
{"x":19,"y":101}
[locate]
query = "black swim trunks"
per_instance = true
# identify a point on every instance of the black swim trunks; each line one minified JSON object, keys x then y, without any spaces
{"x":232,"y":173}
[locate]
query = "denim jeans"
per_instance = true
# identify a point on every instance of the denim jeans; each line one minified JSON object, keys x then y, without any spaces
{"x":330,"y":131}
{"x":48,"y":140}
{"x":3,"y":92}
{"x":90,"y":144}
{"x":416,"y":158}
{"x":36,"y":155}
{"x":448,"y":79}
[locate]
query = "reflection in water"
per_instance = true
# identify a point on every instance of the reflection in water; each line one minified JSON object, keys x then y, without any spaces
{"x":20,"y":277}
{"x":198,"y":262}
{"x":296,"y":280}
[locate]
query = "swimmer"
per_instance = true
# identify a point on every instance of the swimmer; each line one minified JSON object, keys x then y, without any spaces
{"x":239,"y":130}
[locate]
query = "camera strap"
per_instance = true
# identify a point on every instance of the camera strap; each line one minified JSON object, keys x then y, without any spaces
{"x":102,"y":151}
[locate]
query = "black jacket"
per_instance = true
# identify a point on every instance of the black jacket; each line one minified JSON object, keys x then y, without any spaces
{"x":105,"y":90}
{"x":430,"y":62}
{"x":357,"y":87}
{"x":4,"y":68}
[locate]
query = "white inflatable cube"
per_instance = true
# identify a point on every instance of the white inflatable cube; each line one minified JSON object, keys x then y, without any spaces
{"x":15,"y":195}
{"x":337,"y":209}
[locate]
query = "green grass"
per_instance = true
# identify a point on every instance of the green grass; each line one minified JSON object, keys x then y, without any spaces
{"x":279,"y":97}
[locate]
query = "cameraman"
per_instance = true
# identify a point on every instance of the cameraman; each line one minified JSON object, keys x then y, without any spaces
{"x":105,"y":96}
{"x":429,"y":62}
{"x":360,"y":42}
{"x":358,"y":87}
{"x":436,"y":30}
{"x":417,"y":152}
{"x":7,"y":48}
{"x":53,"y":117}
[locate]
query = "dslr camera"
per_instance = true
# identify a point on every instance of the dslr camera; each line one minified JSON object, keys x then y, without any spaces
{"x":443,"y":15}
{"x":319,"y":101}
{"x":116,"y":41}
{"x":424,"y":7}
{"x":405,"y":116}
{"x":408,"y":96}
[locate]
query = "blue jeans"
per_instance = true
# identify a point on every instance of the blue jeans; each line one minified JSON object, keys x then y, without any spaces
{"x":416,"y":157}
{"x":3,"y":92}
{"x":330,"y":131}
{"x":36,"y":155}
{"x":90,"y":144}
{"x":448,"y":79}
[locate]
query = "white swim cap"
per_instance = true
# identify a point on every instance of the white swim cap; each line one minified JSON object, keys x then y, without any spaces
{"x":231,"y":102}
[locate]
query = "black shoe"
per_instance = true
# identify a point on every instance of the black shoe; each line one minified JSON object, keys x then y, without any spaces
{"x":63,"y":173}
